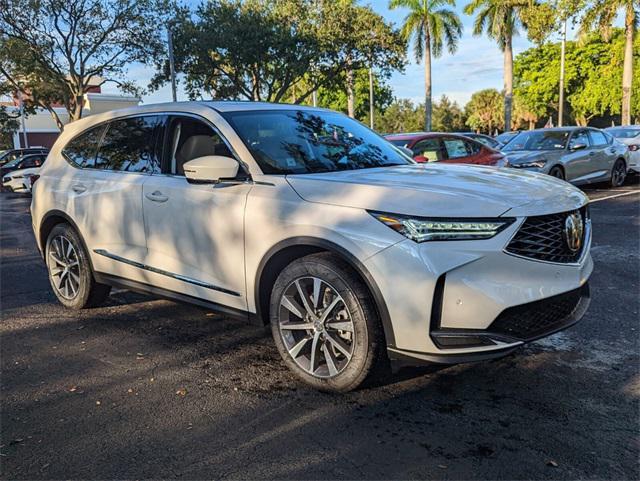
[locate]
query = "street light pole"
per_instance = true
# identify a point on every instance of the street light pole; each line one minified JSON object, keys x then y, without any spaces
{"x":172,"y":68}
{"x":25,"y":140}
{"x":562,"y":55}
{"x":371,"y":97}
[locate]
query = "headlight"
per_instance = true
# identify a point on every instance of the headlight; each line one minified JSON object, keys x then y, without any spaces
{"x":536,"y":164}
{"x":421,"y":229}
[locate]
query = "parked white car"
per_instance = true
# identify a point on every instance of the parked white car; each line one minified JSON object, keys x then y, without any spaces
{"x":630,"y":136}
{"x":20,"y":180}
{"x":305,"y":219}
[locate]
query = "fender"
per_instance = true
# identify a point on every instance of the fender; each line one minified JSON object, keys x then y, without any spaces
{"x":70,"y":221}
{"x":358,"y":266}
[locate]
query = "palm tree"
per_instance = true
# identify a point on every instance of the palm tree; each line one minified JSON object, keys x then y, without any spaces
{"x":431,"y":25}
{"x":500,"y":19}
{"x":600,"y":16}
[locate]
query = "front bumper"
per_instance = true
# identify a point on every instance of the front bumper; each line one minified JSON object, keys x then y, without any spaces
{"x":454,"y":301}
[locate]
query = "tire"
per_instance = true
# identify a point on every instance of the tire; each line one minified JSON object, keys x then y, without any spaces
{"x":70,"y":271}
{"x":349,"y":343}
{"x":557,"y":172}
{"x":618,"y":173}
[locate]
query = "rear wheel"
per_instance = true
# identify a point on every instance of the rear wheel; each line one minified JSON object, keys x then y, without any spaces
{"x":70,"y":271}
{"x":618,"y":173}
{"x":324,"y":323}
{"x":557,"y":172}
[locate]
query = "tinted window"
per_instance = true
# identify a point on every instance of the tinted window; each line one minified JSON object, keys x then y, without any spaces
{"x":31,"y":161}
{"x":430,"y":149}
{"x":455,"y":148}
{"x":309,"y":141}
{"x":580,"y":138}
{"x":538,"y":140}
{"x":81,"y":151}
{"x":597,"y":138}
{"x":189,"y":139}
{"x":131,"y":145}
{"x":622,"y":133}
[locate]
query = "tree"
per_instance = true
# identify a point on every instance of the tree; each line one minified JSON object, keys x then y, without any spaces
{"x":593,"y":77}
{"x":8,"y":125}
{"x":501,"y":20}
{"x":600,"y":16}
{"x":431,"y":26}
{"x":485,"y":111}
{"x":55,"y":50}
{"x":448,"y":116}
{"x":400,"y":116}
{"x":335,"y":95}
{"x":270,"y":51}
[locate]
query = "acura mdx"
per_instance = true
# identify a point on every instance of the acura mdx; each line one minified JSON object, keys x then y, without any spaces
{"x":304,"y":219}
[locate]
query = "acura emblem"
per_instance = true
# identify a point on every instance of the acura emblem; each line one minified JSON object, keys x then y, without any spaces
{"x":573,"y":229}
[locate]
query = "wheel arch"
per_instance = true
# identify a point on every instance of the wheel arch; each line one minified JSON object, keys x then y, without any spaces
{"x":53,"y":218}
{"x":288,"y":250}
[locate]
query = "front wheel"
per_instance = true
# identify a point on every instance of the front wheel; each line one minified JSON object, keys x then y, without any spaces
{"x":618,"y":173}
{"x":70,"y":271}
{"x":324,"y":323}
{"x":557,"y":172}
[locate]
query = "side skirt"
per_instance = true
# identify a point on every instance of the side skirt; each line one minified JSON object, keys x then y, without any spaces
{"x":143,"y":288}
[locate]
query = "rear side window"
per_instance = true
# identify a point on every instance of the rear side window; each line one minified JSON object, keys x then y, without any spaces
{"x":430,"y":149}
{"x":598,"y":139}
{"x":455,"y":148}
{"x":81,"y":151}
{"x":132,"y":145}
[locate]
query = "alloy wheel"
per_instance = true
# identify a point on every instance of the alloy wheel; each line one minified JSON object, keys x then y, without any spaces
{"x":316,"y":327}
{"x":64,"y":267}
{"x":618,"y":174}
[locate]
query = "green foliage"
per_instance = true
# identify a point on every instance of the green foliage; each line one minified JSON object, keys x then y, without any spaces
{"x":54,"y":49}
{"x":448,"y":116}
{"x":400,"y":116}
{"x":593,"y":78}
{"x":499,"y":19}
{"x":485,"y":111}
{"x":8,"y":125}
{"x":430,"y":20}
{"x":334,"y":95}
{"x":256,"y":50}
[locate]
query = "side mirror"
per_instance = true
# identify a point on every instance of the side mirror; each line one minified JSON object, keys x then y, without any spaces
{"x":210,"y":169}
{"x":578,"y":146}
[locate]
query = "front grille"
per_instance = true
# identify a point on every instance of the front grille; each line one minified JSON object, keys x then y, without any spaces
{"x":541,"y":237}
{"x":536,"y":319}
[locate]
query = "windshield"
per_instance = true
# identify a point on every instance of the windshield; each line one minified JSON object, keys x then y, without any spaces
{"x":538,"y":140}
{"x":624,"y":133}
{"x":14,"y":161}
{"x":301,"y":142}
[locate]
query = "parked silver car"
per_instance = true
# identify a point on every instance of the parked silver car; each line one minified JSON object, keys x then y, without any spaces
{"x":579,"y":155}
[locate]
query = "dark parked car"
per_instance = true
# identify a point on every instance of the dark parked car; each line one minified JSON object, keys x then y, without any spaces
{"x":450,"y":148}
{"x":7,"y":156}
{"x":580,"y":155}
{"x":505,"y":137}
{"x":483,"y":139}
{"x":23,"y":162}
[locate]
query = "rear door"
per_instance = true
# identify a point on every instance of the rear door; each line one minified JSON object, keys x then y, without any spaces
{"x":604,"y":156}
{"x":195,"y":232}
{"x":106,"y":191}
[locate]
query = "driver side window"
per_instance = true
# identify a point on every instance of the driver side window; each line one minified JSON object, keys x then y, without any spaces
{"x":579,"y":138}
{"x":189,"y":139}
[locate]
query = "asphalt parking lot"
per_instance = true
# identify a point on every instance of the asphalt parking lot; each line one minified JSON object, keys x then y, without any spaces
{"x":147,"y":388}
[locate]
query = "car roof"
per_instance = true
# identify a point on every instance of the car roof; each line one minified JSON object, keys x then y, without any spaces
{"x":624,"y":127}
{"x":421,"y":135}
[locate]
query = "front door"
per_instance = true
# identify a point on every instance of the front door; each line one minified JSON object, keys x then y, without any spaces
{"x":577,"y":163}
{"x":195,"y":232}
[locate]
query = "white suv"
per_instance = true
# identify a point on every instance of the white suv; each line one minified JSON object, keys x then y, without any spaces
{"x":307,"y":220}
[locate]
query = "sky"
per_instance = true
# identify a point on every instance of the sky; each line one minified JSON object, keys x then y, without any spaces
{"x":476,"y":65}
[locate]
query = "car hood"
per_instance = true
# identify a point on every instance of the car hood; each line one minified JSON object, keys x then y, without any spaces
{"x":521,"y":156}
{"x":440,"y":191}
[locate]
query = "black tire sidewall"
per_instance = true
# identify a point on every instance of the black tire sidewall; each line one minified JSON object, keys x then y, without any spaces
{"x":613,"y":171}
{"x":557,"y":169}
{"x":363,"y":317}
{"x":86,"y":274}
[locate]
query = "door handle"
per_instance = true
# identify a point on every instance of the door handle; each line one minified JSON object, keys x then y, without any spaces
{"x":592,"y":153}
{"x":78,"y":188}
{"x":157,"y":196}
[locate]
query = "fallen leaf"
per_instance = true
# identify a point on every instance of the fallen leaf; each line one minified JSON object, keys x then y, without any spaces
{"x":442,"y":466}
{"x":73,"y":388}
{"x":552,"y":463}
{"x":129,"y":390}
{"x":181,"y":392}
{"x":97,"y":403}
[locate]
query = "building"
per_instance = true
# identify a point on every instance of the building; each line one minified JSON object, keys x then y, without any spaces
{"x":42,"y":130}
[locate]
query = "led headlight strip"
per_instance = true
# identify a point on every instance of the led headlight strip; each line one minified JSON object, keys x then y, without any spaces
{"x":422,"y":229}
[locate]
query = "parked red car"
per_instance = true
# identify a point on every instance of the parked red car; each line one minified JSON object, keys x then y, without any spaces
{"x":449,"y":148}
